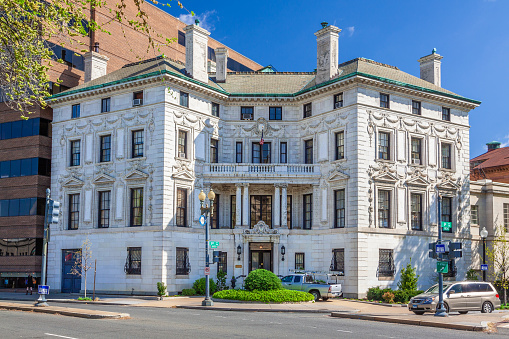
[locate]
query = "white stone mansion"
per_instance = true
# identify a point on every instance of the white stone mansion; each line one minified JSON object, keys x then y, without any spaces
{"x":345,"y":180}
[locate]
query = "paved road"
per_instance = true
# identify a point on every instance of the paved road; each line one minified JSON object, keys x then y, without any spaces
{"x":148,"y":322}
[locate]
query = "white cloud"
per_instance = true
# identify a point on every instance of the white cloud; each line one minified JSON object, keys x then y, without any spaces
{"x":505,"y":141}
{"x":350,"y":30}
{"x":206,"y":19}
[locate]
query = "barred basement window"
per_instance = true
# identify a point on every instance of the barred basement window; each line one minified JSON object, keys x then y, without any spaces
{"x":182,"y":265}
{"x":385,"y":263}
{"x":222,"y":264}
{"x":133,"y":261}
{"x":299,"y":261}
{"x":474,"y":214}
{"x":338,"y":261}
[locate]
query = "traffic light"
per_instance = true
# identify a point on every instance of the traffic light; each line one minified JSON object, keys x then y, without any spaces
{"x":53,"y":212}
{"x":455,"y":250}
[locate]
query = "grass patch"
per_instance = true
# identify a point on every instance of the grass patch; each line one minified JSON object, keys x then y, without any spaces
{"x":84,"y":299}
{"x":275,"y":296}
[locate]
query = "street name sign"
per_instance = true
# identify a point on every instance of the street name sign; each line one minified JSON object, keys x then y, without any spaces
{"x":484,"y":267}
{"x":43,"y":289}
{"x":214,"y":244}
{"x":446,"y":226}
{"x":442,"y":267}
{"x":201,"y":220}
{"x":440,"y":248}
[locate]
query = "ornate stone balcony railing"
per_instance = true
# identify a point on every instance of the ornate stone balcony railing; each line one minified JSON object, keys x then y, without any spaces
{"x":268,"y":171}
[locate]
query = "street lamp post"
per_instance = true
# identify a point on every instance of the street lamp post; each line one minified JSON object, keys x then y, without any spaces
{"x":205,"y":212}
{"x":484,"y":235}
{"x":440,"y":310}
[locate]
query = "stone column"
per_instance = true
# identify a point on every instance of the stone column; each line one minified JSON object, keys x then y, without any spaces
{"x":277,"y":206}
{"x":245,"y":206}
{"x":238,"y":205}
{"x":284,"y":203}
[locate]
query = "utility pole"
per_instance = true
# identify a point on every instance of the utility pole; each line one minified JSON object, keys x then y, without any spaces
{"x":42,"y":299}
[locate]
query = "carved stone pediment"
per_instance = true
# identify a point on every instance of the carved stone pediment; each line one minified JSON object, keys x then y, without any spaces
{"x":73,"y":182}
{"x":103,"y":179}
{"x":448,"y":186}
{"x":336,"y":176}
{"x":418,"y":181}
{"x":261,"y":228}
{"x":385,"y":177}
{"x":184,"y":175}
{"x":136,"y":175}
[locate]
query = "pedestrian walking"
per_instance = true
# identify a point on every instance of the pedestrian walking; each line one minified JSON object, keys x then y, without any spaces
{"x":30,"y":283}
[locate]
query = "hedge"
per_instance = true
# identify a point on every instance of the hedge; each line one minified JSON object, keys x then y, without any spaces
{"x":275,"y":296}
{"x":400,"y":296}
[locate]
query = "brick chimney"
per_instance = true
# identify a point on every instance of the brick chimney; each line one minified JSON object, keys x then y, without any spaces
{"x":95,"y":64}
{"x":493,"y":145}
{"x":326,"y":53}
{"x":221,"y":64}
{"x":196,"y":52}
{"x":431,"y":68}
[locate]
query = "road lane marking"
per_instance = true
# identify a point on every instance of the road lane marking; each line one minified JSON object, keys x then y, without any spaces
{"x":344,"y":331}
{"x":60,"y":336}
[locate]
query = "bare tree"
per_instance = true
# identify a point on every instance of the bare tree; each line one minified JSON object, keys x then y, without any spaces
{"x":83,"y":262}
{"x":498,"y":255}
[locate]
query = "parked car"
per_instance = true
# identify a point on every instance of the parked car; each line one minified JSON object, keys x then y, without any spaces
{"x":307,"y":283}
{"x":460,"y":296}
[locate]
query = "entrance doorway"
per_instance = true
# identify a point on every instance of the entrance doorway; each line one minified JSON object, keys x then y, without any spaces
{"x":71,"y":283}
{"x":260,"y":256}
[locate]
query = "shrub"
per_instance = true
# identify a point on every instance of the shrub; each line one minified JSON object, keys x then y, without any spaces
{"x":376,"y":293}
{"x":199,"y":286}
{"x":188,"y":291}
{"x":161,"y":289}
{"x":221,"y":281}
{"x":262,"y":280}
{"x":84,"y":299}
{"x":472,"y":275}
{"x":388,"y":297}
{"x":408,"y":281}
{"x":276,"y":296}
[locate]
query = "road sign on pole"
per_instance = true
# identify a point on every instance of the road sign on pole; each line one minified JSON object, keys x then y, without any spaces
{"x":207,"y":270}
{"x":484,"y":267}
{"x":442,"y":267}
{"x":214,"y":244}
{"x":446,"y":226}
{"x":43,"y":289}
{"x":201,"y":220}
{"x":440,"y":248}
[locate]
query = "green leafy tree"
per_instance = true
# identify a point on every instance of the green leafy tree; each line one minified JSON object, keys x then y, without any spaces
{"x":221,"y":281}
{"x":408,"y":281}
{"x":498,"y":255}
{"x":27,"y":25}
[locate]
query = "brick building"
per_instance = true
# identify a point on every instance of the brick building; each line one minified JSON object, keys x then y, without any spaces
{"x":25,"y":146}
{"x":492,"y":165}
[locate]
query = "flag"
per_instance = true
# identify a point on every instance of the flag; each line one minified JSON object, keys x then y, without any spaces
{"x":261,"y":141}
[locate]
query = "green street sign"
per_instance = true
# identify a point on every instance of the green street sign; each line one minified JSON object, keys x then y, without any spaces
{"x":214,"y":244}
{"x":442,"y":267}
{"x":446,"y":226}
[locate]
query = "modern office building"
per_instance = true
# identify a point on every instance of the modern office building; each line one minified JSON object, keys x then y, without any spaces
{"x":25,"y":146}
{"x":336,"y":170}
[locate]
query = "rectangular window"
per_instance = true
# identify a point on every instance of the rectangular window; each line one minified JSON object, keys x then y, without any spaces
{"x":384,"y":100}
{"x":136,"y":206}
{"x":74,"y":211}
{"x":446,"y":214}
{"x":75,"y":111}
{"x":338,"y":100}
{"x":474,"y":214}
{"x":340,"y":145}
{"x":506,"y":216}
{"x":445,"y":155}
{"x":214,"y":156}
{"x":215,"y":109}
{"x":299,"y":261}
{"x":384,"y":209}
{"x":214,"y":217}
{"x":138,"y":98}
{"x":416,"y":107}
{"x":339,"y":208}
{"x":261,"y":209}
{"x":275,"y":113}
{"x":137,"y":146}
{"x":75,"y":152}
{"x":182,"y":144}
{"x":105,"y":105}
{"x":384,"y":146}
{"x":105,"y":152}
{"x":308,"y":211}
{"x":222,"y":264}
{"x":416,"y":211}
{"x":308,"y":151}
{"x":133,"y":262}
{"x":385,"y":263}
{"x":104,"y":209}
{"x":416,"y":151}
{"x":238,"y":152}
{"x":182,"y":264}
{"x":307,"y":110}
{"x":338,"y":261}
{"x":247,"y":113}
{"x":261,"y":154}
{"x":283,"y":152}
{"x":181,"y":38}
{"x":446,"y":114}
{"x":184,"y":99}
{"x":181,"y":217}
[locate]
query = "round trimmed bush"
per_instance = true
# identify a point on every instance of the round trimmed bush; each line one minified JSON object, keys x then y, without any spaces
{"x":199,"y":286}
{"x":262,"y":280}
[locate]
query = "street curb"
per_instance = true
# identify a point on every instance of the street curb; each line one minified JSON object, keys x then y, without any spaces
{"x":377,"y":304}
{"x":475,"y":328}
{"x":66,"y":311}
{"x":234,"y":309}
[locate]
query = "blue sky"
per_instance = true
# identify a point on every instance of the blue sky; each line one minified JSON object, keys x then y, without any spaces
{"x":471,"y":35}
